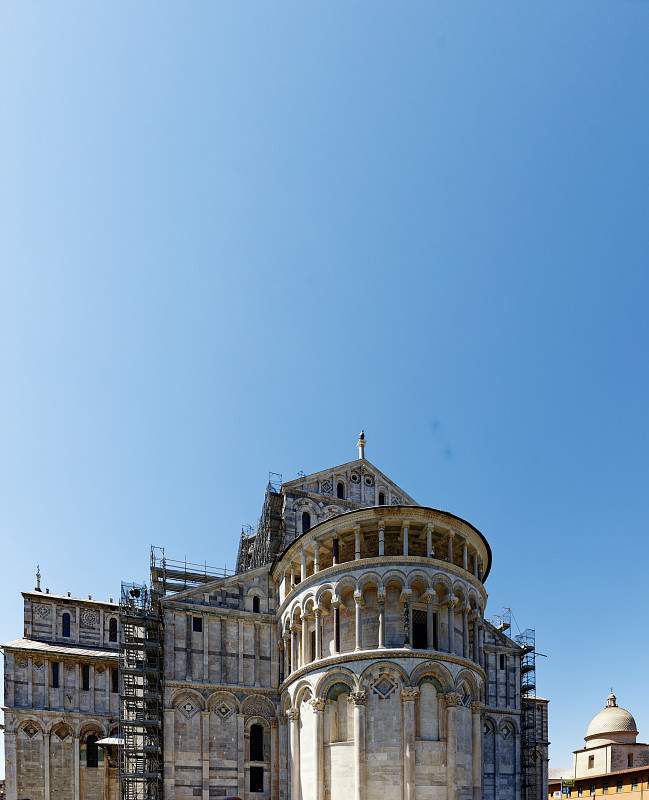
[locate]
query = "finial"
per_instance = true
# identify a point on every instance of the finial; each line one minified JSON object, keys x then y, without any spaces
{"x":361,"y":444}
{"x":38,"y":578}
{"x":611,"y":700}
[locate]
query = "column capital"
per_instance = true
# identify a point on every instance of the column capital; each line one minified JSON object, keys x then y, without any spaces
{"x":452,"y":600}
{"x":452,"y":699}
{"x":317,"y":611}
{"x":358,"y":597}
{"x":358,"y":698}
{"x":293,"y":714}
{"x":405,"y":596}
{"x":380,"y":596}
{"x":274,"y":722}
{"x":405,"y":523}
{"x":409,"y":694}
{"x":477,"y":708}
{"x":318,"y":705}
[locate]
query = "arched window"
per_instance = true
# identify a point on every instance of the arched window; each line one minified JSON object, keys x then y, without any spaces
{"x":381,"y":498}
{"x":255,"y":604}
{"x":112,"y":630}
{"x":306,"y":521}
{"x":66,"y":625}
{"x":92,"y":752}
{"x":256,"y":743}
{"x":340,"y":490}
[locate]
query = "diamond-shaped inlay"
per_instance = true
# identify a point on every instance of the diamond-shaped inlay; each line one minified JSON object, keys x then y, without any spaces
{"x":384,"y":687}
{"x":224,"y":711}
{"x":188,"y":709}
{"x":62,"y":732}
{"x":30,"y":729}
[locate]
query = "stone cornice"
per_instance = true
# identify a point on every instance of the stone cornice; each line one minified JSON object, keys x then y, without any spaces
{"x":378,"y":656}
{"x":210,"y":688}
{"x":434,"y":564}
{"x":238,"y":613}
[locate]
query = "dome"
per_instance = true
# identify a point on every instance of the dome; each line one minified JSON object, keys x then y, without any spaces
{"x":612,"y":723}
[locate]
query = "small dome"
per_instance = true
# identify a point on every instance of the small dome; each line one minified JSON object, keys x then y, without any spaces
{"x":612,"y":723}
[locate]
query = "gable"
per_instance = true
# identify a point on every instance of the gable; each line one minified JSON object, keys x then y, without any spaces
{"x":352,"y":474}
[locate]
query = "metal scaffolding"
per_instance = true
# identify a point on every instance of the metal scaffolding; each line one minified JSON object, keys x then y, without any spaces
{"x":141,"y":700}
{"x":531,"y":720}
{"x":260,"y":547}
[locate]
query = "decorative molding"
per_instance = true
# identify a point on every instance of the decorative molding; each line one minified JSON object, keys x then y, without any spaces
{"x":318,"y":704}
{"x":452,"y":699}
{"x":409,"y":694}
{"x":89,"y":618}
{"x":42,"y":611}
{"x":293,"y":714}
{"x":358,"y":698}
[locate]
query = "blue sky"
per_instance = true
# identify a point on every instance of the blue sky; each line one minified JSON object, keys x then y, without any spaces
{"x":233,"y":234}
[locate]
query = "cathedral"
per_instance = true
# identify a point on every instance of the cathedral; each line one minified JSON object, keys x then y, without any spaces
{"x":348,"y":657}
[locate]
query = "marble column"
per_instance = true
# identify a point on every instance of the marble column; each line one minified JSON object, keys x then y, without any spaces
{"x":169,"y":751}
{"x":451,"y":602}
{"x":316,"y":557}
{"x":380,"y":599}
{"x":274,"y":759}
{"x":318,"y":633}
{"x":476,"y":648}
{"x":294,"y":649}
{"x":358,"y":600}
{"x":452,"y":700}
{"x":405,"y":530}
{"x":294,"y":718}
{"x":286,"y":638}
{"x":465,"y":631}
{"x":430,"y":621}
{"x":302,"y":565}
{"x":450,"y":547}
{"x":381,"y":539}
{"x":429,"y":540}
{"x":75,"y":766}
{"x":11,"y":777}
{"x":357,"y":543}
{"x":318,"y":706}
{"x":465,"y":556}
{"x":336,"y":626}
{"x":359,"y":699}
{"x":205,"y":753}
{"x":305,"y":641}
{"x":46,"y":764}
{"x":408,"y":697}
{"x":481,"y":645}
{"x":476,"y":737}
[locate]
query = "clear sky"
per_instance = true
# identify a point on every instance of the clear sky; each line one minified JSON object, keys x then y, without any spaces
{"x":233,"y":234}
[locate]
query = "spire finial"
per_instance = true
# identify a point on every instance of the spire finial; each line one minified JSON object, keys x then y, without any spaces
{"x":38,"y":578}
{"x":361,"y":444}
{"x":611,"y":700}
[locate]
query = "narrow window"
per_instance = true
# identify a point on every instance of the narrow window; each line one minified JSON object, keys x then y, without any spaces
{"x":256,"y":743}
{"x":629,"y":760}
{"x":502,"y":661}
{"x":85,"y":677}
{"x":592,"y":788}
{"x":255,"y":604}
{"x":112,"y":630}
{"x":55,"y":675}
{"x":66,"y":625}
{"x":618,"y":786}
{"x":340,"y":490}
{"x":306,"y":521}
{"x":435,"y":635}
{"x":381,"y":498}
{"x":197,"y":624}
{"x":256,"y":779}
{"x":92,"y":752}
{"x":591,"y":762}
{"x":419,"y":629}
{"x":312,"y":654}
{"x":605,"y":787}
{"x":114,"y":680}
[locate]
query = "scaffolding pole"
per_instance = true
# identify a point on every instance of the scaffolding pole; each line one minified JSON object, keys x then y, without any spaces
{"x":531,"y":735}
{"x":141,"y":694}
